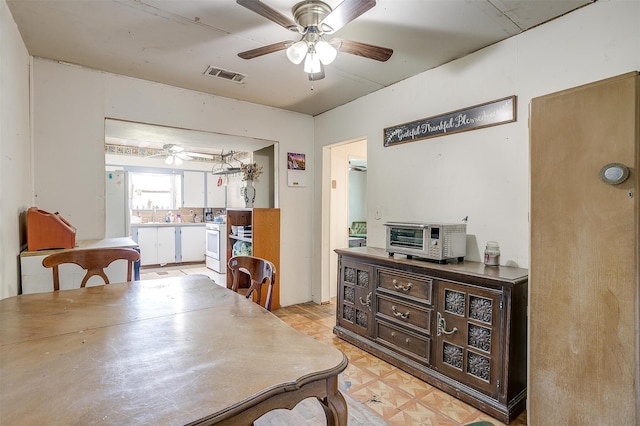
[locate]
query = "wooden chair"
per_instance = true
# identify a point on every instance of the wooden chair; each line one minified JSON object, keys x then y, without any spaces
{"x":93,"y":260}
{"x":261,"y":272}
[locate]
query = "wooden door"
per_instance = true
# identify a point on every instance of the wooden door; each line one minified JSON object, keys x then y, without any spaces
{"x":584,"y":256}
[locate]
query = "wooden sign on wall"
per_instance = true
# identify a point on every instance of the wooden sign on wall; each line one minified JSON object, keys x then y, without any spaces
{"x":476,"y":117}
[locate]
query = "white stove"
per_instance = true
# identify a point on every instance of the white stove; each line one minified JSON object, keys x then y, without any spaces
{"x":216,"y":247}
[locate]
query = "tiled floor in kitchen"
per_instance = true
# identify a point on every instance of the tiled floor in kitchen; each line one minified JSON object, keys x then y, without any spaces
{"x":394,"y":395}
{"x":173,"y":271}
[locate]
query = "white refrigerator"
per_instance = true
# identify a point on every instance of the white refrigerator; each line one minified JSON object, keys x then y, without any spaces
{"x":117,"y":204}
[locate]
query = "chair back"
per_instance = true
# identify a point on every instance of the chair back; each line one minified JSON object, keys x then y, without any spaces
{"x":93,"y":260}
{"x":261,"y":272}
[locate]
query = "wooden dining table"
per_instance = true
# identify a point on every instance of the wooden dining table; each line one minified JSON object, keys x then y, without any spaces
{"x":170,"y":351}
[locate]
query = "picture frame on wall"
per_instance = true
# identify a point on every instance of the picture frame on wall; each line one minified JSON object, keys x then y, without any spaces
{"x":296,"y":169}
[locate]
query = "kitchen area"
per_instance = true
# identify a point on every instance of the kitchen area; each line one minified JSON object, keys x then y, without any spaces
{"x":164,"y":213}
{"x":171,"y":195}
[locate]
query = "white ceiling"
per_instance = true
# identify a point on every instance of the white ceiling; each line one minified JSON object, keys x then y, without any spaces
{"x":174,"y":41}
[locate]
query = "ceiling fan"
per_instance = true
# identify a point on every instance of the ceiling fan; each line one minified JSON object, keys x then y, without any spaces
{"x":176,"y":154}
{"x":314,"y":19}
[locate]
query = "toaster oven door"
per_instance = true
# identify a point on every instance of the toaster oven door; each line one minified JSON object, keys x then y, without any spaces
{"x":401,"y":239}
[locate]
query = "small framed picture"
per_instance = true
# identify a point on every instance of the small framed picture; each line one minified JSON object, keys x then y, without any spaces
{"x":296,"y":166}
{"x":295,"y":161}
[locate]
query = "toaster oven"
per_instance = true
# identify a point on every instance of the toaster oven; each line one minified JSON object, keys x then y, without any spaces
{"x":438,"y":242}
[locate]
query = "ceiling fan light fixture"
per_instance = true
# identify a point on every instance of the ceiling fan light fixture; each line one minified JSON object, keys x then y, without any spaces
{"x":168,"y":160}
{"x":297,"y":51}
{"x":178,"y":161}
{"x":312,"y":63}
{"x":313,"y":19}
{"x":326,"y":52}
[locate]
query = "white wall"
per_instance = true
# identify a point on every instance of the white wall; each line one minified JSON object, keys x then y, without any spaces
{"x":71,"y":104}
{"x":482,"y":174}
{"x":15,"y":149}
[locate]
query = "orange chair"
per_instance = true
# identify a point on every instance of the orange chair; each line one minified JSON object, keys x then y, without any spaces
{"x":93,"y":260}
{"x":260,"y":272}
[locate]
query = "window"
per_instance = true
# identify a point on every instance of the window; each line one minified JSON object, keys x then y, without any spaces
{"x":155,"y":191}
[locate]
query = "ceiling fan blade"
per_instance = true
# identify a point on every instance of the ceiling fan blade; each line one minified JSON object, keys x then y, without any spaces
{"x":365,"y":50}
{"x":268,"y":12}
{"x":199,"y":155}
{"x":184,"y":156}
{"x":344,"y":13}
{"x":271,"y":48}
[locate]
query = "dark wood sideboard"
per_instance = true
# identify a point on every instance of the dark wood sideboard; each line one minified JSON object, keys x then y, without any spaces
{"x":460,"y":327}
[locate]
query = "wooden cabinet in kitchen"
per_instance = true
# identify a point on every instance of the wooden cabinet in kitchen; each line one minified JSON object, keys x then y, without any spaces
{"x":193,"y":193}
{"x":262,"y":240}
{"x":157,"y":244}
{"x":216,"y":191}
{"x":192,"y":243}
{"x":460,"y":327}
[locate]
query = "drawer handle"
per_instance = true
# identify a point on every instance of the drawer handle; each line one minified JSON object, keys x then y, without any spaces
{"x":401,"y":287}
{"x":442,"y":326}
{"x":367,"y":302}
{"x":399,"y":314}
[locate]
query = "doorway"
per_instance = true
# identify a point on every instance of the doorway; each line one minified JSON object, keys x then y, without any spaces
{"x":336,"y":188}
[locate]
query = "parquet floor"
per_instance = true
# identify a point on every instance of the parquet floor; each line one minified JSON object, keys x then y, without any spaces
{"x":396,"y":396}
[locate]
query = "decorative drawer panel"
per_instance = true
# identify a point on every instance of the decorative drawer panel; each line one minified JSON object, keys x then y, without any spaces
{"x":417,"y":318}
{"x":403,"y":341}
{"x":412,"y":286}
{"x":467,"y":335}
{"x":355,"y":297}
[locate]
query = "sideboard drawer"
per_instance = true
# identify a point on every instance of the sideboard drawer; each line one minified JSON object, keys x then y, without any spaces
{"x":414,"y":286}
{"x":404,"y":313}
{"x":409,"y":343}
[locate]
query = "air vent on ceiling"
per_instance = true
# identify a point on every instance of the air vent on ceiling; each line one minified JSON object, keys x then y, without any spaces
{"x":236,"y":77}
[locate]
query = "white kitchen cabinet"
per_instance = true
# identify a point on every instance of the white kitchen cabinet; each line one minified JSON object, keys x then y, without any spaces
{"x":216,"y":195}
{"x":157,"y":245}
{"x":193,"y":194}
{"x":192,"y":242}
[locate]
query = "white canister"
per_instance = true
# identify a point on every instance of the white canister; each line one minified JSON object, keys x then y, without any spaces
{"x":492,"y":254}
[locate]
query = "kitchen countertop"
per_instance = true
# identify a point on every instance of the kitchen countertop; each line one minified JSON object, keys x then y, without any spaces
{"x":88,"y":244}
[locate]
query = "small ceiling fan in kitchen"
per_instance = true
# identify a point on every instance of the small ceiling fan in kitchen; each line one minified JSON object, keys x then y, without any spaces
{"x":313,"y":20}
{"x":176,"y":154}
